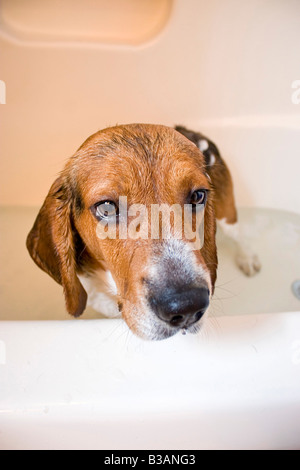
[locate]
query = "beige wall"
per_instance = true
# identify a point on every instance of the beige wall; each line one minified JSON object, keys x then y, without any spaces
{"x":213,"y":65}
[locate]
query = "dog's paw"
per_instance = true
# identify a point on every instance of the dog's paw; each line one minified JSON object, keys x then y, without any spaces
{"x":248,"y":262}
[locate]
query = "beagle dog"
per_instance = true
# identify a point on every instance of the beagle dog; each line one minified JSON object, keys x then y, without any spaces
{"x":159,"y":285}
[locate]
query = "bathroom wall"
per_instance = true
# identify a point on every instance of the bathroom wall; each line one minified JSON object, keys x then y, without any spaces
{"x":224,"y":66}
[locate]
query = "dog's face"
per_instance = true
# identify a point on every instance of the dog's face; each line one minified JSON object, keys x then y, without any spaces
{"x":163,"y":283}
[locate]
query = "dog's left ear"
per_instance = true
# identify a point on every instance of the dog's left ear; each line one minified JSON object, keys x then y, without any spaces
{"x":51,"y":245}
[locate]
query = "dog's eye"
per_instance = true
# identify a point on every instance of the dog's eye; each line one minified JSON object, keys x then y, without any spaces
{"x":198,"y":197}
{"x":106,"y":210}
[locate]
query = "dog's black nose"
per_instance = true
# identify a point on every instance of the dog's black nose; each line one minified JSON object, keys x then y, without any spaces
{"x":180,"y":309}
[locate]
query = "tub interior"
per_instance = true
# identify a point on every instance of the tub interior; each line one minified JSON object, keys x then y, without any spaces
{"x":27,"y":293}
{"x":93,"y":21}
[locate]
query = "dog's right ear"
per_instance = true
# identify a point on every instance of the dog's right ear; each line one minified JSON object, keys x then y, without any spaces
{"x":51,"y":245}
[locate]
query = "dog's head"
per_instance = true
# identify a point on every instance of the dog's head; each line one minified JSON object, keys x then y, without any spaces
{"x":110,"y":186}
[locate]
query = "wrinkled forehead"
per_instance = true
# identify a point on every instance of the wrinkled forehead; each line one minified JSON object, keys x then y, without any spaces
{"x":142,"y":164}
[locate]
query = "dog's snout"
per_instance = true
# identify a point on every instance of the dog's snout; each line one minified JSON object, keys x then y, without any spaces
{"x":180,"y":309}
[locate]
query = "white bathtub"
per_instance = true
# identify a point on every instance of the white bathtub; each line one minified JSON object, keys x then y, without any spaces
{"x":89,"y":383}
{"x":92,"y":385}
